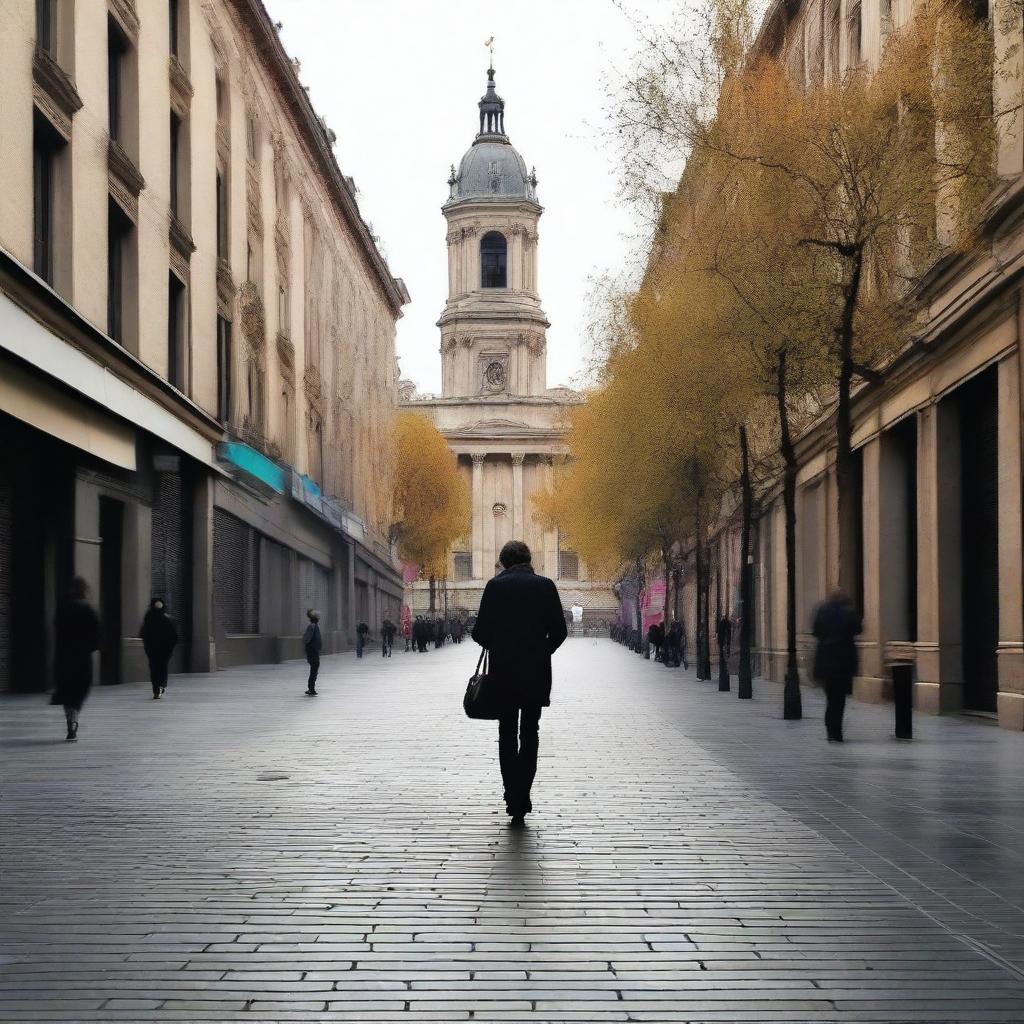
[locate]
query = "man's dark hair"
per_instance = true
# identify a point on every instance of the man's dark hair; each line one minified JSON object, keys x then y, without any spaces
{"x":515,"y":552}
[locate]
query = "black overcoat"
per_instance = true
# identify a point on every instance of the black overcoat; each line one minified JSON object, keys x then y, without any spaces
{"x":159,"y":635}
{"x":836,"y":624}
{"x":77,"y":635}
{"x":521,"y":623}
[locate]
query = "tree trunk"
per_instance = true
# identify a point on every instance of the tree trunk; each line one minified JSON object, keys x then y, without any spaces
{"x":667,"y":561}
{"x":433,"y":593}
{"x":745,"y":685}
{"x":792,"y":702}
{"x":846,"y":483}
{"x":703,"y":597}
{"x":639,"y":613}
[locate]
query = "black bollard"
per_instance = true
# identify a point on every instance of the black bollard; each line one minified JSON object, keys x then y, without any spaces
{"x":903,"y":699}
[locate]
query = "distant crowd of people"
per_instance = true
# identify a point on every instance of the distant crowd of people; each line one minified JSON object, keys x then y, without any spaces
{"x":668,"y":646}
{"x":424,"y":631}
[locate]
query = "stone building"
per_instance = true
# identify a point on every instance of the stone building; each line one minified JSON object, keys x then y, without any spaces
{"x":196,"y":340}
{"x":504,"y":423}
{"x":938,"y":440}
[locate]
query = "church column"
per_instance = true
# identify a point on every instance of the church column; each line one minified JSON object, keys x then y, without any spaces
{"x":516,"y":260}
{"x":518,"y":521}
{"x":550,"y":536}
{"x":478,"y":521}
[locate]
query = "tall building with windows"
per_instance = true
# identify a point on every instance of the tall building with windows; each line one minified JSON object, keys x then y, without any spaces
{"x":197,"y":330}
{"x":504,"y":423}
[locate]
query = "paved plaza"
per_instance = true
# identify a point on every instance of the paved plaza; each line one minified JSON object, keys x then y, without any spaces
{"x":242,"y":852}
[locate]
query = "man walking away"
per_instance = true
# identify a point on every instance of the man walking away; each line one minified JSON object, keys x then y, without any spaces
{"x":77,"y":635}
{"x":521,"y":624}
{"x":387,"y":638}
{"x":361,"y":630}
{"x":836,"y":623}
{"x":159,"y":637}
{"x":312,"y":643}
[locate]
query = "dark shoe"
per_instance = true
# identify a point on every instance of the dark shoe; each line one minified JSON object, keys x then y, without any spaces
{"x":163,"y":692}
{"x":72,"y":735}
{"x":156,"y":695}
{"x":311,"y":693}
{"x":518,"y":821}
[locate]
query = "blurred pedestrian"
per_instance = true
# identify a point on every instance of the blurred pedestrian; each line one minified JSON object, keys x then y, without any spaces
{"x":836,"y":624}
{"x":159,"y":638}
{"x":387,"y":637}
{"x":77,"y":635}
{"x":312,"y":644}
{"x":520,"y":624}
{"x":361,"y":632}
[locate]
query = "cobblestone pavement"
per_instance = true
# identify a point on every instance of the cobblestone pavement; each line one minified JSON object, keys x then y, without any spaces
{"x":242,"y":852}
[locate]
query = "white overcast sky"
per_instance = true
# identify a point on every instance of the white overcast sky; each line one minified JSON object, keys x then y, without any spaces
{"x":399,"y":80}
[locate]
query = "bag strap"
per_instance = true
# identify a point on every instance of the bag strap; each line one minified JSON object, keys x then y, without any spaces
{"x":482,"y":660}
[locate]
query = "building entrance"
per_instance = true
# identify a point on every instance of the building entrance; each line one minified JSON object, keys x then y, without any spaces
{"x":978,"y":408}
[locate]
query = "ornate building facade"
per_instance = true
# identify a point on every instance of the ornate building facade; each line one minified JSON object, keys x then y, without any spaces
{"x":197,"y":330}
{"x":504,"y":423}
{"x":939,"y":439}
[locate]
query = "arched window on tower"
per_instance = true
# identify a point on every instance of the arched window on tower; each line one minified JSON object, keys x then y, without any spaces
{"x":493,"y":260}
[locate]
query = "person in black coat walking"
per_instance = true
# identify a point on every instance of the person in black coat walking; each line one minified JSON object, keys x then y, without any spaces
{"x":521,"y":624}
{"x":312,"y":644}
{"x":836,"y":624}
{"x":159,"y":637}
{"x":77,"y":629}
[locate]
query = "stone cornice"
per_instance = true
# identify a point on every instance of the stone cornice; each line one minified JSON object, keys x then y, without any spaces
{"x":55,"y":91}
{"x":255,"y":20}
{"x":123,"y":168}
{"x":53,"y":312}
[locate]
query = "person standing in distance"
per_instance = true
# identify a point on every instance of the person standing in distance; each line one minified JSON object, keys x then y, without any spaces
{"x":312,"y":643}
{"x":836,"y":624}
{"x":159,"y":637}
{"x":77,"y":635}
{"x":521,"y":624}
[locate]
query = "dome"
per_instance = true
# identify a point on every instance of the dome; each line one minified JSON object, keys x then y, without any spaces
{"x":492,"y":167}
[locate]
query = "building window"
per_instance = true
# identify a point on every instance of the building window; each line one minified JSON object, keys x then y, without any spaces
{"x":117,"y":48}
{"x":568,"y":565}
{"x":173,"y":28}
{"x":463,"y":565}
{"x":222,"y":217}
{"x":46,"y":25}
{"x":252,"y":138}
{"x":255,"y":388}
{"x":175,"y":164}
{"x":119,"y":230}
{"x":176,"y":326}
{"x":45,"y":146}
{"x":223,"y":369}
{"x":493,"y":260}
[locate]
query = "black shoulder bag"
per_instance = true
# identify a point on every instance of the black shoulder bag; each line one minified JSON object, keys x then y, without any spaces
{"x":482,"y":700}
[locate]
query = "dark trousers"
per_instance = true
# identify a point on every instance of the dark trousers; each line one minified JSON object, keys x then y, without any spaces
{"x":835,"y":705}
{"x":158,"y":673}
{"x":314,"y":670}
{"x":360,"y":643}
{"x":518,"y":741}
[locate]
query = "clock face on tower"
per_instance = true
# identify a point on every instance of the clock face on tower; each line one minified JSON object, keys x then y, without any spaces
{"x":494,"y":376}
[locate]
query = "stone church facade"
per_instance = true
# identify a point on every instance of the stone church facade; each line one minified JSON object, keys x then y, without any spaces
{"x":506,"y":426}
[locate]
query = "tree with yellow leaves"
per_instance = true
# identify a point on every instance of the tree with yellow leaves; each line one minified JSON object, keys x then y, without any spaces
{"x":430,"y":501}
{"x":819,"y":205}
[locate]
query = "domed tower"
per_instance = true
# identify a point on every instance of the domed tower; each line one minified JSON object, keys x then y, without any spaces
{"x":492,"y":328}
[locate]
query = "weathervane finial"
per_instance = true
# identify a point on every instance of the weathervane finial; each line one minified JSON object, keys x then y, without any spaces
{"x":490,"y":46}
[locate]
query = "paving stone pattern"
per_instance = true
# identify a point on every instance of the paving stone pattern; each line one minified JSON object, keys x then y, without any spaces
{"x":242,"y":852}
